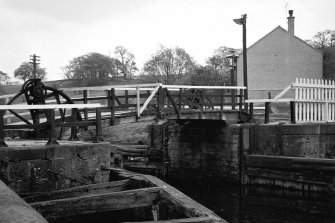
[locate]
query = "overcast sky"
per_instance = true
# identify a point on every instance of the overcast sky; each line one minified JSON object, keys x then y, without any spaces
{"x":59,"y":30}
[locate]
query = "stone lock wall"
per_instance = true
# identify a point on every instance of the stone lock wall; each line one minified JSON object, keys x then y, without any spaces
{"x":293,"y":140}
{"x":39,"y":168}
{"x":198,"y":148}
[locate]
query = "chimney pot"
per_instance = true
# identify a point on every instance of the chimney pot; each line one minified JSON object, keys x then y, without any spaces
{"x":290,"y":12}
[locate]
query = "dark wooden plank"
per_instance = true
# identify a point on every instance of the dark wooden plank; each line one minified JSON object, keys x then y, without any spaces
{"x":181,"y":201}
{"x":184,"y":220}
{"x":90,"y":189}
{"x":143,"y":165}
{"x":78,"y":124}
{"x":98,"y":203}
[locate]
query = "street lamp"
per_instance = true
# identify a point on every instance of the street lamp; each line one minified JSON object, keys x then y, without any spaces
{"x":243,"y":21}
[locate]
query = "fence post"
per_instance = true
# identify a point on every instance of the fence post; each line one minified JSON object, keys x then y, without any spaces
{"x":233,"y":99}
{"x":267,"y":113}
{"x":293,"y":112}
{"x":240,"y":100}
{"x":138,"y":102}
{"x":201,"y":104}
{"x":160,"y":103}
{"x":180,"y":99}
{"x":85,"y":94}
{"x":251,"y":112}
{"x":245,"y":104}
{"x":221,"y":99}
{"x":52,"y":131}
{"x":98,"y":126}
{"x":8,"y":119}
{"x":2,"y":132}
{"x":36,"y":120}
{"x":74,"y":130}
{"x":111,"y":105}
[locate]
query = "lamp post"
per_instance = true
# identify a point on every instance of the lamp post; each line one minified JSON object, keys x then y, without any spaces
{"x":233,"y":64}
{"x":243,"y":21}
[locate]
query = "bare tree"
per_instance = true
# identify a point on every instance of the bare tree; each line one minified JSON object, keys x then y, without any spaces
{"x":91,"y":66}
{"x":26,"y":72}
{"x":4,"y":78}
{"x":168,"y":65}
{"x":125,"y":62}
{"x":323,"y":39}
{"x":219,"y":60}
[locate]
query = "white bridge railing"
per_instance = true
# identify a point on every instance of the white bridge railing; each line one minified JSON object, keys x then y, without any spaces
{"x":313,"y":101}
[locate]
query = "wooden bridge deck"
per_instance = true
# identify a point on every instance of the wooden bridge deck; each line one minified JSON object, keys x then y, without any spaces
{"x":122,"y":104}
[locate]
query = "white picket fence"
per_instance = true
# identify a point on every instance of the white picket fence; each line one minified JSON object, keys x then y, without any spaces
{"x":314,"y":100}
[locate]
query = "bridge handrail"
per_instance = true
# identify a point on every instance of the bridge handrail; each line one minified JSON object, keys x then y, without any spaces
{"x":116,"y":87}
{"x":140,"y":101}
{"x":51,"y":107}
{"x":149,"y":87}
{"x":203,"y":87}
{"x":268,"y":100}
{"x":48,"y":106}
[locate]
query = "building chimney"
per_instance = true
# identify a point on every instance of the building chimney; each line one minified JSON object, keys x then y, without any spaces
{"x":290,"y":23}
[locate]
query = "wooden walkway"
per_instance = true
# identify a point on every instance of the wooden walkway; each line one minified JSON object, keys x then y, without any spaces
{"x":112,"y":105}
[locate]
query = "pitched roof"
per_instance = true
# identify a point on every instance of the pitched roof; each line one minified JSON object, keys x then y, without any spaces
{"x":282,"y":29}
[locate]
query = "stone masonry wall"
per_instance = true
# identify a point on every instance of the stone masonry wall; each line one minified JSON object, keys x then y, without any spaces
{"x":198,"y":148}
{"x":39,"y":168}
{"x":295,"y":140}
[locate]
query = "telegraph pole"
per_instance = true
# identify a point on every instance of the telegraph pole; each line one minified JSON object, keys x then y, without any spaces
{"x":34,"y":60}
